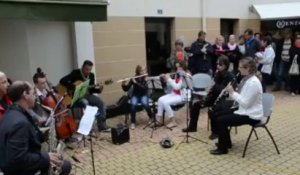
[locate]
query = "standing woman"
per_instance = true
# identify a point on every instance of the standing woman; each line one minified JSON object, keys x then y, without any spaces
{"x":233,"y":53}
{"x":139,"y":93}
{"x":218,"y":50}
{"x":177,"y":55}
{"x":249,"y":99}
{"x":295,"y":54}
{"x":266,"y":58}
{"x":165,"y":102}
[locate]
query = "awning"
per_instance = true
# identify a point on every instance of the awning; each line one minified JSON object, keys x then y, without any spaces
{"x":278,"y":11}
{"x":55,"y":10}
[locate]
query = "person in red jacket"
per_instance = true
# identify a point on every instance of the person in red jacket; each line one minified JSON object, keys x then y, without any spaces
{"x":4,"y":100}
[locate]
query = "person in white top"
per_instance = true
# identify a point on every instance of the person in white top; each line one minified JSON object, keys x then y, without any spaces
{"x":266,"y":58}
{"x":174,"y":97}
{"x":249,"y":99}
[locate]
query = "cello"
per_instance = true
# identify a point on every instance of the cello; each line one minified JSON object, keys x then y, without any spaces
{"x":65,"y":124}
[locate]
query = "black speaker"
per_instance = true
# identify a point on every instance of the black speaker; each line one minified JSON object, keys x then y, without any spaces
{"x":120,"y":134}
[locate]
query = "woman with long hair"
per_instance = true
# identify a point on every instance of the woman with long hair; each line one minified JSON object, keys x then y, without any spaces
{"x":139,"y":93}
{"x":249,"y":99}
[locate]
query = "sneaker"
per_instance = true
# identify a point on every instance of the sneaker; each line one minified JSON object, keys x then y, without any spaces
{"x":132,"y":126}
{"x":293,"y":94}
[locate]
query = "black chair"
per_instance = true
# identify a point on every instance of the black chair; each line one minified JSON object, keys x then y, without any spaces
{"x":268,"y":100}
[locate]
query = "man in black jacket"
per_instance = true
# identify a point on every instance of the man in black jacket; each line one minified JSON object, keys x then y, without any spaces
{"x":84,"y":74}
{"x":20,"y":138}
{"x":221,"y":79}
{"x":200,"y":62}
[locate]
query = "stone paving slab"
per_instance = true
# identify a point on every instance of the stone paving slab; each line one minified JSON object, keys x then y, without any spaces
{"x":143,"y":155}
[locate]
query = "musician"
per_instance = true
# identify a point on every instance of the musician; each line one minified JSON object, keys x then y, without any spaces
{"x":177,"y":55}
{"x":139,"y":94}
{"x":250,"y":108}
{"x":200,"y":62}
{"x":4,"y":99}
{"x":20,"y":138}
{"x":84,"y":74}
{"x":174,"y":97}
{"x":221,"y":79}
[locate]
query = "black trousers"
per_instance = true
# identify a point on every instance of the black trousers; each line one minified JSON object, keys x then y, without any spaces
{"x":220,"y":109}
{"x":194,"y":114}
{"x":93,"y":100}
{"x":223,"y":122}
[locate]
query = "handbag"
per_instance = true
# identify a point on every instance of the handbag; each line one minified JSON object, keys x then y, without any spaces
{"x":294,"y":69}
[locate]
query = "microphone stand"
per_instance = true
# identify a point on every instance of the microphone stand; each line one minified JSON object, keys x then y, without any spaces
{"x":187,"y":100}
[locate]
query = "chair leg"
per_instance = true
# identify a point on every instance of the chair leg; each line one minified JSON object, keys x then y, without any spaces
{"x":272,"y":139}
{"x":236,"y":130}
{"x":256,"y":134}
{"x":126,"y":118}
{"x":244,"y":153}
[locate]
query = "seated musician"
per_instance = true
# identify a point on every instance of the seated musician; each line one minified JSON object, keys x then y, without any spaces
{"x":174,"y":97}
{"x":221,"y":79}
{"x":84,"y":74}
{"x":250,"y":108}
{"x":4,"y":99}
{"x":139,"y":94}
{"x":40,"y":82}
{"x":20,"y":138}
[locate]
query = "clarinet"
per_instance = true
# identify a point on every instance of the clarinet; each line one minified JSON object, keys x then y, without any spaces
{"x":224,"y":92}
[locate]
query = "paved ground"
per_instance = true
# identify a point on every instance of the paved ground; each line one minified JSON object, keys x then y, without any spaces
{"x":144,"y":155}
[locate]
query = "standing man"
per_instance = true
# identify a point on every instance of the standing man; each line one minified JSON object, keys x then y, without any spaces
{"x":284,"y":65}
{"x":252,"y":45}
{"x":84,"y":74}
{"x":201,"y":60}
{"x":20,"y":138}
{"x":4,"y":99}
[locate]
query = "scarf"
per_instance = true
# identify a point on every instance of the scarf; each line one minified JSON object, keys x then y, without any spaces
{"x":231,"y":46}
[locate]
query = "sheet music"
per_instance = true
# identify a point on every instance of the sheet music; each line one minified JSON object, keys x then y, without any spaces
{"x":87,"y":120}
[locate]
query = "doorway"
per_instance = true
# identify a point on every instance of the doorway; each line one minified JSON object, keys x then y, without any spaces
{"x":158,"y":44}
{"x":228,"y":27}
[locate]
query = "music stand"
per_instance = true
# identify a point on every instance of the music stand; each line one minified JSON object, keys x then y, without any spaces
{"x":154,"y":83}
{"x":85,"y":127}
{"x":187,"y":83}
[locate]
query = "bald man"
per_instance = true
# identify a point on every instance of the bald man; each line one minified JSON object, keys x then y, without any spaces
{"x":4,"y":100}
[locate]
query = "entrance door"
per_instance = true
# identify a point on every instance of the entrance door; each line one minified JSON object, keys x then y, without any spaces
{"x":158,"y":44}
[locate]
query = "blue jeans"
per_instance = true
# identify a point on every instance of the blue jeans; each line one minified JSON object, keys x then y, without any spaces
{"x":134,"y":101}
{"x":283,"y":74}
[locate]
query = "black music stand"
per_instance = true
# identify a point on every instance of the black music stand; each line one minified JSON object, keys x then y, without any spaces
{"x":154,"y":83}
{"x":187,"y":98}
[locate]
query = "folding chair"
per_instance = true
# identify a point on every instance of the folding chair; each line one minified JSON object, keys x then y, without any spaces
{"x":268,"y":100}
{"x":200,"y":84}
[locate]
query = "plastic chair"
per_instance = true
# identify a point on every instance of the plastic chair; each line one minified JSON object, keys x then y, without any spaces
{"x":268,"y":100}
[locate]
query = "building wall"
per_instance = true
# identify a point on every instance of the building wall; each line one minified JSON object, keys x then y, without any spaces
{"x":119,"y":46}
{"x":26,"y":45}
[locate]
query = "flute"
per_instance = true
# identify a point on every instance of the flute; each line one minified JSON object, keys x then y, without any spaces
{"x":126,"y":79}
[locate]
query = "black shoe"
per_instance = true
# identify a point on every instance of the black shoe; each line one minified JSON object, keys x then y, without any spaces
{"x":217,"y":145}
{"x":189,"y":130}
{"x":276,"y":89}
{"x":217,"y":152}
{"x":213,"y":136}
{"x":106,"y":129}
